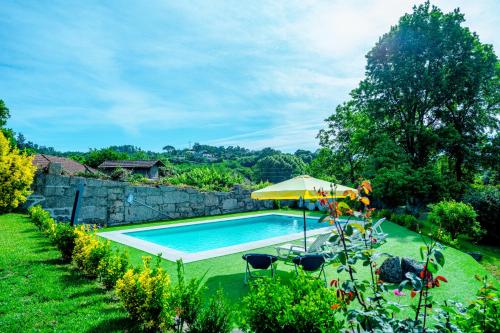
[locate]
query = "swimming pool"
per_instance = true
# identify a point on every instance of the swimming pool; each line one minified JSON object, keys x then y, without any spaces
{"x":200,"y":240}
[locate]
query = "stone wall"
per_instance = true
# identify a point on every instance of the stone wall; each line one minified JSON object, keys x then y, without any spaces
{"x":105,"y":202}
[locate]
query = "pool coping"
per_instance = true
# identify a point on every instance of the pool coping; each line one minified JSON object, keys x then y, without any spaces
{"x":167,"y":253}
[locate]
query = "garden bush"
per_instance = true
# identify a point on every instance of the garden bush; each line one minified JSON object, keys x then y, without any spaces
{"x":455,"y":217}
{"x":187,"y":297}
{"x":137,"y":178}
{"x":39,"y":216}
{"x":120,"y":174}
{"x":146,"y":295}
{"x":444,"y":237}
{"x":486,"y":202}
{"x":63,"y":237}
{"x":303,"y":306}
{"x":112,"y":267}
{"x":89,"y":251}
{"x":405,"y":220}
{"x":16,"y":175}
{"x":384,"y":213}
{"x":215,"y":317}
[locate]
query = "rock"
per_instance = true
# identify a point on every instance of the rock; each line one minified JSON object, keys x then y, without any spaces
{"x":229,"y":204}
{"x":476,"y":255}
{"x":390,"y":271}
{"x":409,"y":265}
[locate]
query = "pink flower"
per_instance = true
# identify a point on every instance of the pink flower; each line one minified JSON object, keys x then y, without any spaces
{"x":397,"y":292}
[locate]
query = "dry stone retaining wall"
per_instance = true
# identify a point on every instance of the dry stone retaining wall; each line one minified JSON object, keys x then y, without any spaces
{"x":105,"y":202}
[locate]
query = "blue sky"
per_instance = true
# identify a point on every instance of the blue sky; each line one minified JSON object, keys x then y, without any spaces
{"x":85,"y":74}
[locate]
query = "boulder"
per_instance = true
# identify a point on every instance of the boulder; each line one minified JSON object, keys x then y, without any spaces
{"x":390,"y":271}
{"x":409,"y":265}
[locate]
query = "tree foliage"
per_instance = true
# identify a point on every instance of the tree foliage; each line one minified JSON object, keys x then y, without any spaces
{"x":4,"y":113}
{"x":277,"y":168}
{"x":420,"y":119}
{"x":16,"y":175}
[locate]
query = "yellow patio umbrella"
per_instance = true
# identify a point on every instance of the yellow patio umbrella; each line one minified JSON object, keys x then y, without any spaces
{"x":301,"y":188}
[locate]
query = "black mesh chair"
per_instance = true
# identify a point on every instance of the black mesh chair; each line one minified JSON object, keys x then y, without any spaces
{"x":311,"y":263}
{"x":258,"y":261}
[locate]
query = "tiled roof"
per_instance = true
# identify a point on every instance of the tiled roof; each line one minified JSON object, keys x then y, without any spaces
{"x":129,"y":164}
{"x":69,"y":166}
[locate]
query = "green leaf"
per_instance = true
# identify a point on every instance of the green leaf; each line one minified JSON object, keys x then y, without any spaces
{"x":432,"y":267}
{"x":343,"y":205}
{"x":342,"y":258}
{"x":349,"y":230}
{"x":359,"y":227}
{"x":334,"y":238}
{"x":422,"y":249}
{"x":439,"y":257}
{"x":323,"y":218}
{"x":393,"y":308}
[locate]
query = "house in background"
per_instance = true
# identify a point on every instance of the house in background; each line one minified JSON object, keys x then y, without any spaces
{"x":148,"y":169}
{"x":67,"y":165}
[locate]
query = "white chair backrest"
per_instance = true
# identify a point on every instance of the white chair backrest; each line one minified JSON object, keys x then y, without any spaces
{"x":320,"y":241}
{"x":378,"y":224}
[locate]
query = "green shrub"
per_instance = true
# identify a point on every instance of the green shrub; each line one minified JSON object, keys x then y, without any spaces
{"x":147,"y":296}
{"x":486,"y":202}
{"x":120,"y":174}
{"x":39,"y":216}
{"x":214,"y":317}
{"x":302,"y":306}
{"x":89,"y":251}
{"x":137,"y":178}
{"x":384,"y":213}
{"x":405,"y":220}
{"x":63,"y":237}
{"x":112,"y":268}
{"x":482,"y":314}
{"x":444,"y":237}
{"x":16,"y":175}
{"x":455,"y":217}
{"x":187,"y":297}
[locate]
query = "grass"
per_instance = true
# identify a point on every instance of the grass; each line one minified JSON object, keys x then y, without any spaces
{"x":38,"y":293}
{"x":227,"y":272}
{"x":491,"y":254}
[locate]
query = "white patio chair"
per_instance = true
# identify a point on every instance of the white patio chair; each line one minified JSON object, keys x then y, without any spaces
{"x":285,"y":251}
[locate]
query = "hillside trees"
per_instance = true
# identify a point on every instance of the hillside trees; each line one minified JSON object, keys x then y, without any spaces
{"x":277,"y":168}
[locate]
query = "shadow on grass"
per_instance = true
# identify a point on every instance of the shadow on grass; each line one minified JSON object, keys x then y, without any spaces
{"x":113,"y":325}
{"x":57,"y":262}
{"x":91,"y":291}
{"x":74,"y":278}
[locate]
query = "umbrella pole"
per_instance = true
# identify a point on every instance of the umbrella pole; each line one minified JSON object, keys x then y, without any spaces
{"x":304,"y":214}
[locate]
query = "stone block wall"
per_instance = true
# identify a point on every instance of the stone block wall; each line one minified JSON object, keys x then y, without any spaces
{"x":105,"y":202}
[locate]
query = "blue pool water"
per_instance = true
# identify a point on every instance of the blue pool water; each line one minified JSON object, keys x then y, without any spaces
{"x":209,"y":236}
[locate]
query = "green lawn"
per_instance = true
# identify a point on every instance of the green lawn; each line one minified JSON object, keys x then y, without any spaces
{"x":228,"y":271}
{"x":38,"y":293}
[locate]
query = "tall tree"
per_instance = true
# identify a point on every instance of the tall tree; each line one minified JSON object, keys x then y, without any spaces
{"x":348,"y":135}
{"x":4,"y":113}
{"x":431,"y":84}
